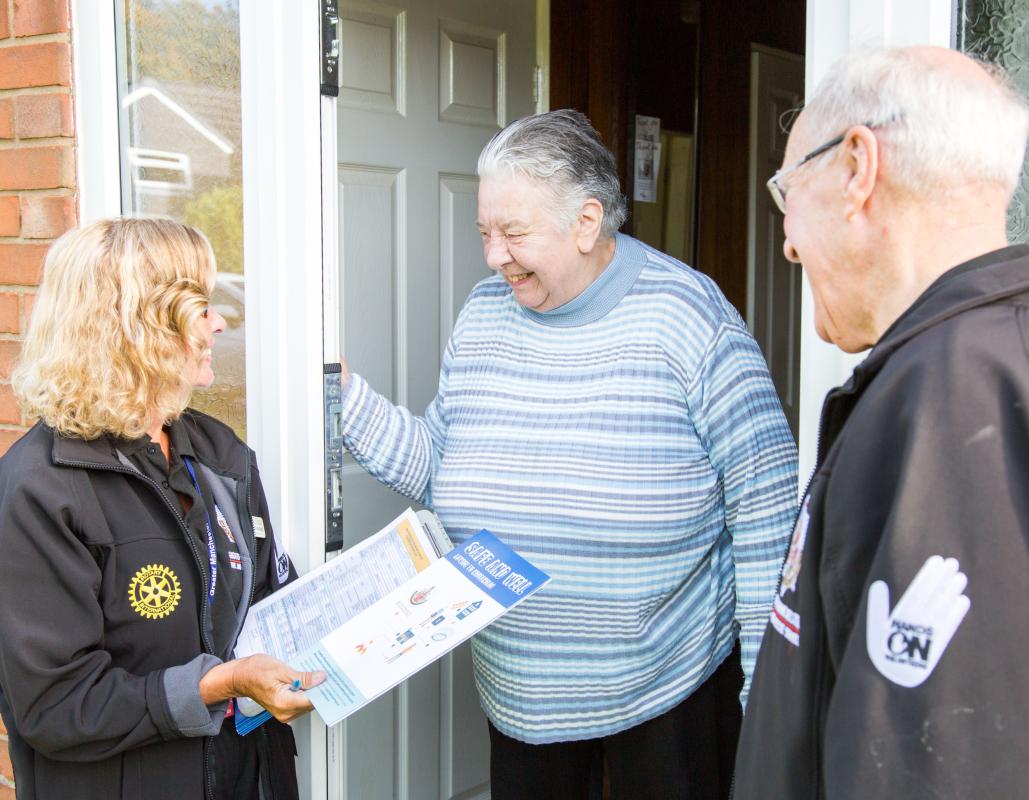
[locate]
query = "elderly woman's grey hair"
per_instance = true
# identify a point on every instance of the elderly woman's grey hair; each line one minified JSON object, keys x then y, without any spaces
{"x":561,"y":152}
{"x":939,"y":128}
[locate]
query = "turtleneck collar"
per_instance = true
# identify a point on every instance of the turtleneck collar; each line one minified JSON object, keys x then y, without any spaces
{"x":597,"y":299}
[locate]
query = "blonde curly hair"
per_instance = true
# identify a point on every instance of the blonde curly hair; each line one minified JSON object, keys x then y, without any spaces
{"x":114,"y":326}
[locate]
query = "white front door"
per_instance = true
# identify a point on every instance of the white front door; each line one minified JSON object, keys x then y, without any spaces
{"x":424,"y":85}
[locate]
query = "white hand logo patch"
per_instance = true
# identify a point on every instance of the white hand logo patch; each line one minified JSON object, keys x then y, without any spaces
{"x":906,"y":644}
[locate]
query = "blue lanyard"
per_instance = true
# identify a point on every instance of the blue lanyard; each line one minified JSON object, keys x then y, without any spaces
{"x":212,"y":552}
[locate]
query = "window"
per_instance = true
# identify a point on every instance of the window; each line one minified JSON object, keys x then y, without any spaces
{"x":998,"y":30}
{"x":179,"y":121}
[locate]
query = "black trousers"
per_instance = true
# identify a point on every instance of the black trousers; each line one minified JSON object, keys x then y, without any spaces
{"x":687,"y":752}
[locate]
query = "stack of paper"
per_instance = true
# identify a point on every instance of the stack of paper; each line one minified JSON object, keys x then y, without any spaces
{"x":385,"y":609}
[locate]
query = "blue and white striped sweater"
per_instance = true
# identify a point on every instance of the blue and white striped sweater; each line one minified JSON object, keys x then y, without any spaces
{"x":629,"y":443}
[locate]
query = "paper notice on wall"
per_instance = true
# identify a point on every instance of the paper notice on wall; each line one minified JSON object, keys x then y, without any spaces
{"x":647,"y":158}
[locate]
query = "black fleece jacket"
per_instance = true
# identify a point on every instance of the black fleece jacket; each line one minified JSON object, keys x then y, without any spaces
{"x":858,"y":691}
{"x":105,"y":629}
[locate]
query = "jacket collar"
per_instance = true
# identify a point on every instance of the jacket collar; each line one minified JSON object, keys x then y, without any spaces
{"x":193,"y":434}
{"x":72,"y":451}
{"x":986,"y":279}
{"x":983,"y":280}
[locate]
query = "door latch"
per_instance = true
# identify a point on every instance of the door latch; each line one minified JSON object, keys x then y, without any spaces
{"x":330,"y":47}
{"x":332,"y":394}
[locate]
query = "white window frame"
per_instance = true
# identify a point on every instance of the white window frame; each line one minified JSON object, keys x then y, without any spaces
{"x":96,"y":109}
{"x":282,"y":213}
{"x":282,"y":229}
{"x":282,"y":251}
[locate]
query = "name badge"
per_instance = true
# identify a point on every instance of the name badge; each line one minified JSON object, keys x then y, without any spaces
{"x":258,"y":527}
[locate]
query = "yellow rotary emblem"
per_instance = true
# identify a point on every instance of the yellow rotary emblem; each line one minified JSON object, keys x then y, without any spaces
{"x":154,"y":591}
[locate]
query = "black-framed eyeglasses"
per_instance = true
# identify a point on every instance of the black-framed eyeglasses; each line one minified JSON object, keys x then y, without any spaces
{"x":775,"y":185}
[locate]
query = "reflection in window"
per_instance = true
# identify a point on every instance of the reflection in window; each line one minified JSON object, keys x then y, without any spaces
{"x":998,"y":30}
{"x":181,"y":155}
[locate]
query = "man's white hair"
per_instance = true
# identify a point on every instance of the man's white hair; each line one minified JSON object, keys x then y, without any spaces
{"x":940,"y":127}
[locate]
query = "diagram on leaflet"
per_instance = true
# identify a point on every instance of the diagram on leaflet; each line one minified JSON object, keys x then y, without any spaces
{"x":409,"y":629}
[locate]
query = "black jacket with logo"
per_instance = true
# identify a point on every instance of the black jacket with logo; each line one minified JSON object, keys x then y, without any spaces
{"x":105,"y":628}
{"x":923,"y":452}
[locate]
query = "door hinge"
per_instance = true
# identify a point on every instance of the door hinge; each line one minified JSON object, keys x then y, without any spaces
{"x":330,"y":47}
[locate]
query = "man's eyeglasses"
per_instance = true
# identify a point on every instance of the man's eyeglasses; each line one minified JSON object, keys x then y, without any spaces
{"x":775,"y":184}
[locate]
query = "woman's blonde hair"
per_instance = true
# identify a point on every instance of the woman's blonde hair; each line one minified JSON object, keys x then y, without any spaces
{"x":114,"y":326}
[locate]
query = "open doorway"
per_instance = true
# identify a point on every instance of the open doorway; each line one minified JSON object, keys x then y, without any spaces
{"x":691,"y":65}
{"x":423,"y":86}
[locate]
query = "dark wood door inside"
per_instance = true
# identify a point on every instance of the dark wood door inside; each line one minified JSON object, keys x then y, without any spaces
{"x":606,"y":59}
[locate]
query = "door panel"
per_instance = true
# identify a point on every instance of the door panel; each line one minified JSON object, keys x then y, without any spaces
{"x":424,"y":85}
{"x":463,"y":756}
{"x":471,"y":74}
{"x":368,"y":202}
{"x":369,"y":753}
{"x":460,"y":252}
{"x":371,"y":57}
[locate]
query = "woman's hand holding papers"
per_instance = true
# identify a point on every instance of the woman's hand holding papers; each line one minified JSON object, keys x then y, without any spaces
{"x":271,"y":683}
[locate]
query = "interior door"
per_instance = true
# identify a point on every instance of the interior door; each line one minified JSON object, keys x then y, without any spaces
{"x":424,"y":84}
{"x":774,"y":285}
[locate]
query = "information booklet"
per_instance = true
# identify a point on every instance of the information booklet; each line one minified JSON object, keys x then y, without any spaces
{"x":384,"y":609}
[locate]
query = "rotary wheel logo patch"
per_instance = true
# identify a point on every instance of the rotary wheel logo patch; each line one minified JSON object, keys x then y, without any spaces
{"x":154,"y":591}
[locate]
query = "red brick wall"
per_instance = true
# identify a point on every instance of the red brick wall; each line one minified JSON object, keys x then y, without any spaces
{"x":37,"y":176}
{"x":37,"y":188}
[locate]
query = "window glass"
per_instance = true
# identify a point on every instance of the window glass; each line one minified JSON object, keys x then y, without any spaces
{"x":998,"y":30}
{"x":181,"y":152}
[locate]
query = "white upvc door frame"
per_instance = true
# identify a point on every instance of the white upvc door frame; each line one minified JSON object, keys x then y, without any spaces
{"x":283,"y":230}
{"x":834,"y":27}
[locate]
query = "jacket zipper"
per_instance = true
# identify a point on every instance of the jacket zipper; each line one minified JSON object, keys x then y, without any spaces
{"x":252,"y":544}
{"x":819,"y":688}
{"x":247,"y":524}
{"x":819,"y":434}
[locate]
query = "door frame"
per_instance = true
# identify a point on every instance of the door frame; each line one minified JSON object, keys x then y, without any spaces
{"x":834,"y":27}
{"x":755,"y":197}
{"x":283,"y":251}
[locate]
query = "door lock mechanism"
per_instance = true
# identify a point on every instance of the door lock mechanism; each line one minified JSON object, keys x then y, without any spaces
{"x":332,"y":396}
{"x":330,"y":47}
